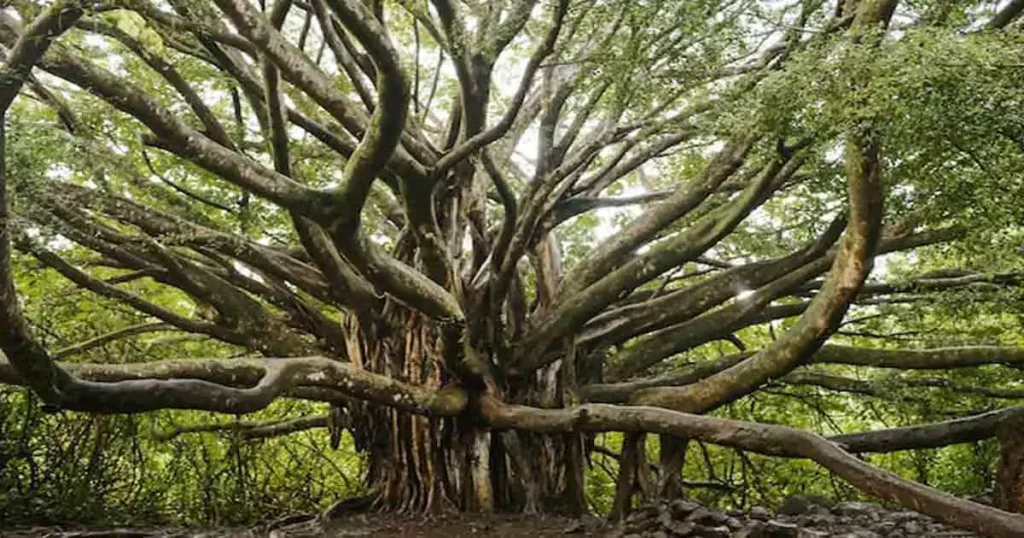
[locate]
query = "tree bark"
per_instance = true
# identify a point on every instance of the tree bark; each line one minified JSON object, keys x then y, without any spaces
{"x":1009,"y":491}
{"x":671,"y":457}
{"x":632,"y":460}
{"x":414,"y":463}
{"x":420,"y":464}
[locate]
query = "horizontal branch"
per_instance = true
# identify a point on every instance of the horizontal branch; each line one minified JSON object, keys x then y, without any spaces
{"x":883,"y":388}
{"x":923,"y":359}
{"x":251,"y":430}
{"x":208,"y":385}
{"x":935,"y":435}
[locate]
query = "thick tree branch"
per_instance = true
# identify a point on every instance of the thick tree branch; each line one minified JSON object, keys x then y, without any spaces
{"x":219,"y":385}
{"x":884,"y":388}
{"x":935,"y":435}
{"x":1006,"y":15}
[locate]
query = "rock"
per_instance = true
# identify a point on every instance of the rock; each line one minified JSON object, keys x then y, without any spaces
{"x":680,"y":528}
{"x":636,"y":517}
{"x":779,"y":529}
{"x":753,"y":529}
{"x":680,"y":508}
{"x":734,"y":523}
{"x":820,"y":510}
{"x":913,"y":528}
{"x":816,"y":520}
{"x":903,"y":516}
{"x":706,"y":516}
{"x":687,"y":519}
{"x":885,"y":527}
{"x":860,"y":533}
{"x":801,"y":504}
{"x":712,"y":532}
{"x":854,"y":509}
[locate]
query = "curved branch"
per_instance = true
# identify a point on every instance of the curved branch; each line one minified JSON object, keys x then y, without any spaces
{"x":294,"y":65}
{"x":704,"y":327}
{"x":175,"y":22}
{"x":26,"y":354}
{"x":852,"y":265}
{"x":234,"y":386}
{"x":641,"y":230}
{"x":883,"y":388}
{"x":923,"y":359}
{"x":91,"y":283}
{"x":180,"y":137}
{"x":388,"y":121}
{"x":341,"y":54}
{"x":165,"y":69}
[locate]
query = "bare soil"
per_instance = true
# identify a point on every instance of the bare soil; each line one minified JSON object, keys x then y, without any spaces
{"x":370,"y":526}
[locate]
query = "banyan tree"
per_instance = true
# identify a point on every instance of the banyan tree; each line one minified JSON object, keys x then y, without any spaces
{"x":483,"y":232}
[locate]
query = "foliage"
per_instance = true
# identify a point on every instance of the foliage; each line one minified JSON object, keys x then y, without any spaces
{"x":158,"y":196}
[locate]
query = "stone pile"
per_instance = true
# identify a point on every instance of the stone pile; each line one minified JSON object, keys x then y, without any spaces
{"x":798,"y":517}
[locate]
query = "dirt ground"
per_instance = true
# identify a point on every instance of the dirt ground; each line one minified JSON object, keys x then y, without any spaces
{"x":370,"y":526}
{"x":516,"y":526}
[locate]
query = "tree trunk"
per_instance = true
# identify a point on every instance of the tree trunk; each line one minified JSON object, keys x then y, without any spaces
{"x":414,"y":463}
{"x":418,"y":464}
{"x":1009,"y":491}
{"x":671,"y":457}
{"x":631,"y":470}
